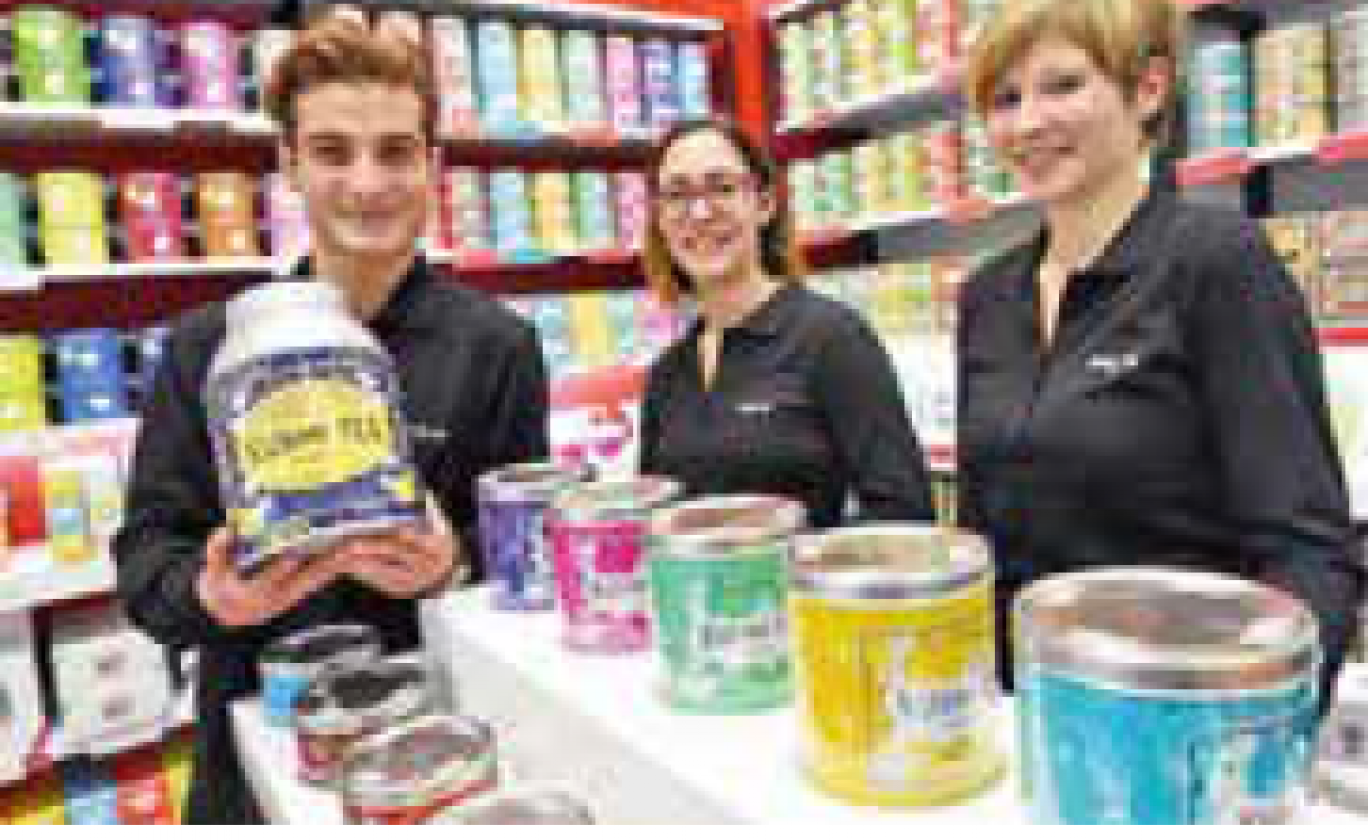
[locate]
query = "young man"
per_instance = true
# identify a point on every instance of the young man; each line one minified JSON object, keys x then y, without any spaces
{"x":356,"y":111}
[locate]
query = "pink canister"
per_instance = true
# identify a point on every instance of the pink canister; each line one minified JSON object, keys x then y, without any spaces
{"x":597,"y":533}
{"x":209,"y":62}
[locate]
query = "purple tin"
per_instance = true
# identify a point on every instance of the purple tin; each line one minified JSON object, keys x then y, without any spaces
{"x":514,"y":502}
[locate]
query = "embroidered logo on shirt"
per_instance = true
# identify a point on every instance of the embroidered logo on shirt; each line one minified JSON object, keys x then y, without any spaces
{"x":1114,"y":364}
{"x":755,"y":407}
{"x":427,"y":434}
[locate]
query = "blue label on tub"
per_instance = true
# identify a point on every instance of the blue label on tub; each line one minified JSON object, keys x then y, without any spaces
{"x":1092,"y":754}
{"x":517,"y":551}
{"x":279,"y":692}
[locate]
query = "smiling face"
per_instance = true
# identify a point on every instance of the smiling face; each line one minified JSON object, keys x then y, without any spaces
{"x":710,"y":208}
{"x":1063,"y":127}
{"x":359,"y":158}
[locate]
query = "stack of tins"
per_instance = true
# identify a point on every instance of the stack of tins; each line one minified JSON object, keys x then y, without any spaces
{"x":454,"y":73}
{"x":582,"y":69}
{"x":496,"y":54}
{"x":796,"y":71}
{"x":863,"y":57}
{"x":828,"y":62}
{"x":942,"y":156}
{"x":510,"y":211}
{"x":897,"y":35}
{"x":719,"y":584}
{"x":209,"y":64}
{"x":624,"y":83}
{"x":464,"y":192}
{"x":553,"y":212}
{"x":632,"y":198}
{"x":893,"y":649}
{"x":598,"y":544}
{"x":659,"y":83}
{"x":287,"y":220}
{"x":1349,"y":33}
{"x":72,"y":218}
{"x":150,"y":213}
{"x":1219,"y":96}
{"x":225,"y":204}
{"x":91,"y":377}
{"x":594,"y":217}
{"x":49,"y":55}
{"x":1344,"y":263}
{"x":134,"y":61}
{"x":1291,"y":84}
{"x":23,"y":392}
{"x":1160,"y":696}
{"x":542,"y":99}
{"x":695,"y":98}
{"x":13,"y":221}
{"x":938,"y":33}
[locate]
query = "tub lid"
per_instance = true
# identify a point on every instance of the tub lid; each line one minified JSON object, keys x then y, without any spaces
{"x":429,"y":752}
{"x":1152,"y":628}
{"x":526,"y":804}
{"x":532,"y":481}
{"x":615,"y":499}
{"x":888,"y":561}
{"x":323,"y":643}
{"x":348,"y":697}
{"x":718,"y":524}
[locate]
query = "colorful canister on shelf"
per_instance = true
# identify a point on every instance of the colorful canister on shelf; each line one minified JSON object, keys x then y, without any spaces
{"x":225,"y":204}
{"x":304,"y":412}
{"x":895,"y":25}
{"x":632,"y":201}
{"x":347,"y":704}
{"x":660,"y":83}
{"x":90,"y":358}
{"x":470,"y":218}
{"x":133,"y":62}
{"x":21,"y":364}
{"x":407,"y":774}
{"x":514,"y":504}
{"x":287,"y":219}
{"x":796,"y":70}
{"x":69,"y":199}
{"x":510,"y":205}
{"x":864,"y":68}
{"x":1220,"y":99}
{"x":48,"y":46}
{"x":150,"y":213}
{"x":453,"y":64}
{"x":496,"y":54}
{"x":288,"y":665}
{"x":598,"y":536}
{"x":594,"y":217}
{"x":542,"y":93}
{"x":828,"y":61}
{"x":893,"y":650}
{"x":622,"y":74}
{"x":519,"y":805}
{"x":13,"y":220}
{"x":695,"y":97}
{"x":70,"y":539}
{"x":553,"y":213}
{"x":1159,"y":696}
{"x":209,"y":62}
{"x":1291,"y":84}
{"x":582,"y":68}
{"x":719,"y":579}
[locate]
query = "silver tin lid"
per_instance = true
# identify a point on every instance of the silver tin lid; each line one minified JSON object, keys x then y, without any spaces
{"x":248,"y":305}
{"x":526,"y":805}
{"x":323,"y":644}
{"x":348,"y":699}
{"x":617,"y":499}
{"x":1165,"y":629}
{"x":429,"y":752}
{"x":889,"y":561}
{"x":534,"y":481}
{"x":717,"y":525}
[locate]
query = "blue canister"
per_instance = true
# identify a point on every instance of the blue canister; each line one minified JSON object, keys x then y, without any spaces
{"x":87,"y":405}
{"x":290,"y":664}
{"x":496,"y":68}
{"x":514,"y":503}
{"x":659,"y":82}
{"x":695,"y":100}
{"x":134,"y":59}
{"x":1162,"y":697}
{"x":89,"y":359}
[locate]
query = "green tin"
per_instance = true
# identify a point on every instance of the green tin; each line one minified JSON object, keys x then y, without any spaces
{"x":718,"y":572}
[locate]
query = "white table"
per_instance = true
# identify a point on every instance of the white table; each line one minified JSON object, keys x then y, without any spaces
{"x":595,"y":726}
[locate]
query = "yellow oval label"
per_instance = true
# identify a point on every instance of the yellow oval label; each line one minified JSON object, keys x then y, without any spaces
{"x":311,"y":434}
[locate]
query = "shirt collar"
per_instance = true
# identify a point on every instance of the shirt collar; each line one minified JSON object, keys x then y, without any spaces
{"x":769,"y":318}
{"x":1138,"y":241}
{"x":402,"y":306}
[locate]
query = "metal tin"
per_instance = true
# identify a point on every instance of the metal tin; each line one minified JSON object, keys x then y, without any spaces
{"x":346,"y":704}
{"x":893,"y":646}
{"x":539,"y":76}
{"x":553,"y":212}
{"x":69,"y":199}
{"x":796,"y":69}
{"x":718,"y":580}
{"x":514,"y":503}
{"x":82,"y":405}
{"x":631,"y":199}
{"x":594,"y":217}
{"x":828,"y":60}
{"x":290,"y":664}
{"x":1163,"y":696}
{"x":21,"y":364}
{"x":622,"y":76}
{"x":862,"y":43}
{"x":70,"y":538}
{"x":303,"y":409}
{"x":496,"y":57}
{"x":661,"y":76}
{"x":209,"y":61}
{"x":453,"y":63}
{"x":74,"y":246}
{"x":597,"y":534}
{"x":695,"y":96}
{"x":582,"y":69}
{"x":91,"y":358}
{"x":409,"y":773}
{"x":522,"y":805}
{"x":133,"y":62}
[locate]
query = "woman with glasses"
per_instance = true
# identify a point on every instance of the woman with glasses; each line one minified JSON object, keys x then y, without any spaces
{"x":1140,"y":382}
{"x":775,"y":389}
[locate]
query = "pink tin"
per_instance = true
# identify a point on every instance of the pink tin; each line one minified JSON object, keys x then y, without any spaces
{"x":209,"y":62}
{"x":597,"y":536}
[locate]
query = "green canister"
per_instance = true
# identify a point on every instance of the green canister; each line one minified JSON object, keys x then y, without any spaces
{"x":718,"y":571}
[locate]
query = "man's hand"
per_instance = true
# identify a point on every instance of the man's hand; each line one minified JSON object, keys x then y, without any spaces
{"x":235,"y":601}
{"x":409,"y":562}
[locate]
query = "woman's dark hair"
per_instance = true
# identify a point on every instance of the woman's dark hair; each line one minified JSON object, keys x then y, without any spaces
{"x":779,"y":254}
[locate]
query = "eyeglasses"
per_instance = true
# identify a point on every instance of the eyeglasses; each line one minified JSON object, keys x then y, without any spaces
{"x":720,"y":192}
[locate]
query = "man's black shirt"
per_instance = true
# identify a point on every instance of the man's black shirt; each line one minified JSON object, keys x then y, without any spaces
{"x":475,"y":396}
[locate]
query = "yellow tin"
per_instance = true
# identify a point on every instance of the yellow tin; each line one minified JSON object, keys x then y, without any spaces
{"x":68,"y":517}
{"x":892,"y":628}
{"x":542,"y":99}
{"x":553,"y":212}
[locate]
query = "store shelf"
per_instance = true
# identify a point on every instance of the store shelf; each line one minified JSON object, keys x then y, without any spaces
{"x":1230,"y":165}
{"x":779,"y":12}
{"x":921,"y":100}
{"x":32,"y":579}
{"x":572,"y":14}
